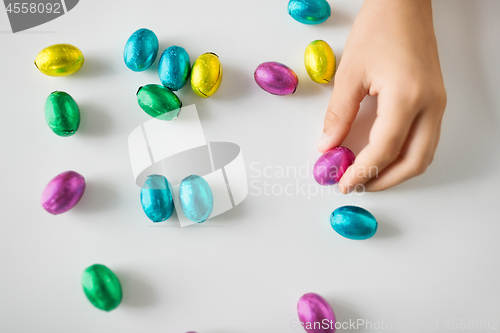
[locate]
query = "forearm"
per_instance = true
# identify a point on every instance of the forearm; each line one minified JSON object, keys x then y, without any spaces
{"x":402,"y":18}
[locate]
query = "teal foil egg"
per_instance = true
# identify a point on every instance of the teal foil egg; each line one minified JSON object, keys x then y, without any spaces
{"x":309,"y":11}
{"x":353,"y":222}
{"x":174,"y":68}
{"x":196,"y":198}
{"x":156,"y":198}
{"x":141,"y":50}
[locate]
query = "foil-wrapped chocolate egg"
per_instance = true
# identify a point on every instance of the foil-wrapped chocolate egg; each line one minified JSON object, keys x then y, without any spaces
{"x":62,"y":113}
{"x":309,"y":11}
{"x":102,"y":287}
{"x":206,"y":75}
{"x":320,"y":61}
{"x":63,"y":192}
{"x":140,"y":50}
{"x":353,"y":222}
{"x":276,"y":78}
{"x":59,"y":60}
{"x":156,"y":198}
{"x":159,"y":102}
{"x":174,"y":68}
{"x":330,"y":167}
{"x":315,"y":314}
{"x":196,"y":198}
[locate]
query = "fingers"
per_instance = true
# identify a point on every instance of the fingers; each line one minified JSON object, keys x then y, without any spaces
{"x":418,"y":153}
{"x":342,"y":110}
{"x":387,"y":136}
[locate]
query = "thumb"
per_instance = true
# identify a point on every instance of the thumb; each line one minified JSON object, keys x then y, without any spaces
{"x":342,"y":110}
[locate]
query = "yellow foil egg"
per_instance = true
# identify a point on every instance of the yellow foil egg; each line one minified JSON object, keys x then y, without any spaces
{"x":206,"y":75}
{"x":59,"y":60}
{"x":320,"y":61}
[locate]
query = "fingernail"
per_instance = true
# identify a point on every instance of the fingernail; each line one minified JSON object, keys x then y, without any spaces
{"x":323,"y":140}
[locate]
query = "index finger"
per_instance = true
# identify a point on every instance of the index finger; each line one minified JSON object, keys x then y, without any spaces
{"x":387,"y":136}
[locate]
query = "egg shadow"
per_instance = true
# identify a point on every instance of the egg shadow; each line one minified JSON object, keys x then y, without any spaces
{"x":93,"y":66}
{"x":99,"y":195}
{"x":219,"y":221}
{"x":233,"y":215}
{"x":137,"y":293}
{"x":173,"y":222}
{"x":344,"y":312}
{"x":386,"y":228}
{"x":307,"y":88}
{"x":204,"y":225}
{"x":337,"y":19}
{"x":236,"y":85}
{"x":94,"y":120}
{"x":188,"y":97}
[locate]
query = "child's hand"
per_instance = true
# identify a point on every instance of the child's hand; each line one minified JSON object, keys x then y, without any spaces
{"x":391,"y":52}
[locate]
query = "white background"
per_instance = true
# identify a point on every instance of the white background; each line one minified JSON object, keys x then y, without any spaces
{"x":434,"y":257}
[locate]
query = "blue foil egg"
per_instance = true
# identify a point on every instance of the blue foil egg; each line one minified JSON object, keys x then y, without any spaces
{"x":156,"y":198}
{"x":309,"y":11}
{"x":141,"y":50}
{"x":353,"y":222}
{"x":196,"y":198}
{"x":174,"y":68}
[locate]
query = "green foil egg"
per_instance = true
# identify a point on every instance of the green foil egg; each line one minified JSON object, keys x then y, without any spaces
{"x":102,"y":287}
{"x":62,"y":113}
{"x":206,"y":75}
{"x":320,"y":62}
{"x":159,"y":102}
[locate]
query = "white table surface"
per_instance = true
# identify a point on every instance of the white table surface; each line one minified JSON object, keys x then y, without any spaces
{"x":434,"y":258}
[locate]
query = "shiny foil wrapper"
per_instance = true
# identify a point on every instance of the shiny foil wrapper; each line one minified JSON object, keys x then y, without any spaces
{"x":174,"y":68}
{"x":315,"y":314}
{"x":320,"y":61}
{"x":276,"y":78}
{"x":309,"y":11}
{"x":59,"y":60}
{"x":141,"y":50}
{"x":206,"y":75}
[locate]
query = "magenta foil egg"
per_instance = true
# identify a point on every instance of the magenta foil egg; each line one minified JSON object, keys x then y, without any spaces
{"x":276,"y":78}
{"x":330,"y":167}
{"x":63,"y":192}
{"x":315,"y":314}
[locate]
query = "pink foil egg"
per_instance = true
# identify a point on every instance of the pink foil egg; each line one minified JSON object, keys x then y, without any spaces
{"x":63,"y":192}
{"x":330,"y":167}
{"x":276,"y":78}
{"x":315,"y":314}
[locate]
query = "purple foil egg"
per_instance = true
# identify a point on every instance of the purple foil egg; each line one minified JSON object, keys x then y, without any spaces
{"x":276,"y":78}
{"x":63,"y":192}
{"x":330,"y":167}
{"x":315,"y":314}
